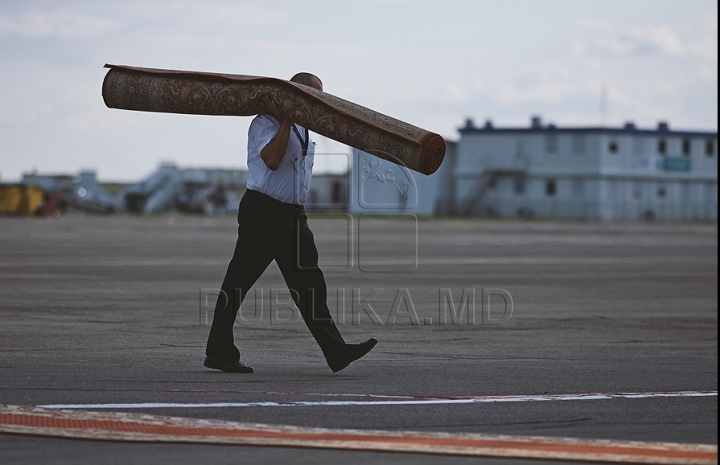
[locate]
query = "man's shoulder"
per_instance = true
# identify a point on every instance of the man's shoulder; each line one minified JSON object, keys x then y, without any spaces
{"x":265,"y":121}
{"x":262,"y":129}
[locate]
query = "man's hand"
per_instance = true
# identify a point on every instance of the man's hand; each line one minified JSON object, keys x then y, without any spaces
{"x":271,"y":108}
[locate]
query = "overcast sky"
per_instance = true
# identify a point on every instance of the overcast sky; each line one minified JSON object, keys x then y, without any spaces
{"x":430,"y":63}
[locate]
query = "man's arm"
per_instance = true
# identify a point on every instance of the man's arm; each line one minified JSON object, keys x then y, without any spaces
{"x":274,"y":152}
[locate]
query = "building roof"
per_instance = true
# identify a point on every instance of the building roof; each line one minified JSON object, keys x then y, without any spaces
{"x":536,"y":126}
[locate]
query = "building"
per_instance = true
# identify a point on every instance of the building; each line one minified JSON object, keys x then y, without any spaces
{"x":590,"y":173}
{"x":378,"y":186}
{"x":328,"y":192}
{"x":81,"y":192}
{"x":188,"y":190}
{"x":215,"y":191}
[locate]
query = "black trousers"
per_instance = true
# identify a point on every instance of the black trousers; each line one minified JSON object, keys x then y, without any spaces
{"x":271,"y":230}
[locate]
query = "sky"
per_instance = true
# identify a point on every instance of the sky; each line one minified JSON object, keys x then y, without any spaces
{"x":429,"y":63}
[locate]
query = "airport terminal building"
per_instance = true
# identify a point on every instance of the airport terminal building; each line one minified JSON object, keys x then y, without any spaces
{"x":592,"y":173}
{"x":539,"y":171}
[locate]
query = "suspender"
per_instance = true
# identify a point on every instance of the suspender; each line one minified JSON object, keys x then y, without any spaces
{"x":305,"y":143}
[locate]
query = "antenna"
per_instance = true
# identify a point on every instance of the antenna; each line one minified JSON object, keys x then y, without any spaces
{"x":603,"y":105}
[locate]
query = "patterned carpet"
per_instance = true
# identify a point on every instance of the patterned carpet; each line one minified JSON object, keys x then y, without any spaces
{"x":167,"y":91}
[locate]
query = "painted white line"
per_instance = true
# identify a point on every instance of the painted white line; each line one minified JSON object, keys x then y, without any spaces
{"x":438,"y":401}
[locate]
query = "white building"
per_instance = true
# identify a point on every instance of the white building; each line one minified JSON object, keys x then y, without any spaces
{"x":378,"y":186}
{"x":212,"y":190}
{"x":328,"y":192}
{"x":594,"y":173}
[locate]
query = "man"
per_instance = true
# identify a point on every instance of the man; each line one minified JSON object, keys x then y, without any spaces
{"x":272,"y":225}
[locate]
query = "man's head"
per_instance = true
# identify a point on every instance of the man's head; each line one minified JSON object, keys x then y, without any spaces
{"x":309,"y":80}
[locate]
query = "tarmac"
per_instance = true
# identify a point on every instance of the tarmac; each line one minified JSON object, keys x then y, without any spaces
{"x":485,"y":326}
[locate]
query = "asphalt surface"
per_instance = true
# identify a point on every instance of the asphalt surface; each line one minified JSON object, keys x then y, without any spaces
{"x":114,"y":310}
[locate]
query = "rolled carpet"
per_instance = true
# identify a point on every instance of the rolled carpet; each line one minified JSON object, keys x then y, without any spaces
{"x":188,"y":92}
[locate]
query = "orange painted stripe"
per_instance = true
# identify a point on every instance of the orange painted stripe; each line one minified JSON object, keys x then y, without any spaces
{"x":134,"y":427}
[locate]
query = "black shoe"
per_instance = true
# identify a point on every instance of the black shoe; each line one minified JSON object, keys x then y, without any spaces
{"x":350,"y":353}
{"x":227,"y":367}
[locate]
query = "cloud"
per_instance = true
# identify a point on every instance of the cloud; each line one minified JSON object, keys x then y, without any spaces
{"x":653,"y":40}
{"x":218,"y":14}
{"x":540,"y":92}
{"x":551,"y":83}
{"x":37,"y":24}
{"x":642,"y":41}
{"x":456,"y":93}
{"x":181,"y":16}
{"x":386,"y":2}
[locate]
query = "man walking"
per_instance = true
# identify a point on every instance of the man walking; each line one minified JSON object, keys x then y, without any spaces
{"x":272,"y":225}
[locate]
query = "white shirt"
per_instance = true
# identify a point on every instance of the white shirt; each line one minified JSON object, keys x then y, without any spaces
{"x":290,"y":183}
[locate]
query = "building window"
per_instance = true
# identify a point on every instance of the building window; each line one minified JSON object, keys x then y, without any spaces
{"x":550,"y":187}
{"x":662,"y":191}
{"x":686,"y":146}
{"x":613,"y":147}
{"x":579,"y":145}
{"x":336,"y":195}
{"x":709,"y":147}
{"x":519,"y":186}
{"x":662,"y":146}
{"x":551,"y":143}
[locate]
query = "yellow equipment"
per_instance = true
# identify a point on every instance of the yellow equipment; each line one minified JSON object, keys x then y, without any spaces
{"x":18,"y":199}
